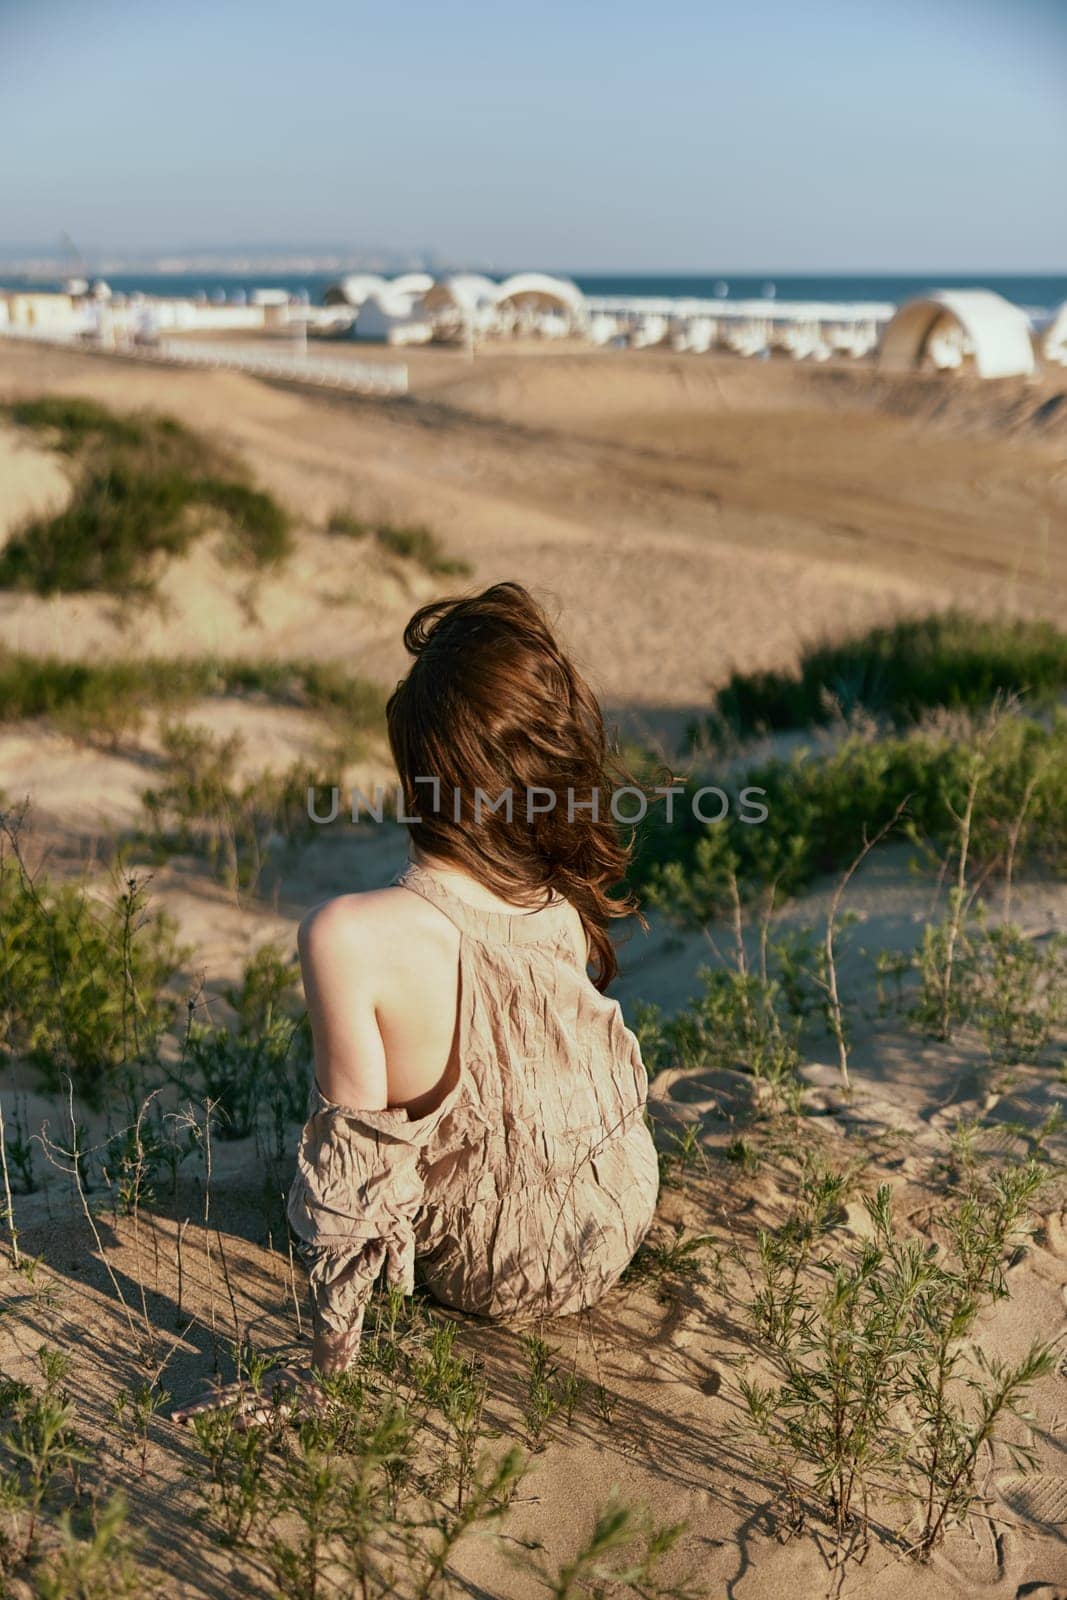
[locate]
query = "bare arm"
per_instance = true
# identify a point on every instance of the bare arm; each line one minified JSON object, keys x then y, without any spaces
{"x":337,"y":959}
{"x":348,"y":948}
{"x":337,"y":963}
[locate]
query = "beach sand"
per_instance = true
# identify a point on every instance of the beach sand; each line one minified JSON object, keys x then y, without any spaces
{"x":681,"y":518}
{"x":709,"y":514}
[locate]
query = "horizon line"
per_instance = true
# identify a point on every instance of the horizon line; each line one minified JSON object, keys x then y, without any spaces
{"x":177,"y":269}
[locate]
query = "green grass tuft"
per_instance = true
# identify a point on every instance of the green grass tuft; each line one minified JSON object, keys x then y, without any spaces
{"x":144,"y":490}
{"x":821,"y":808}
{"x":77,"y":420}
{"x":108,"y":700}
{"x":83,"y":980}
{"x":898,"y":672}
{"x":348,"y":526}
{"x":422,"y":546}
{"x":418,"y":544}
{"x":259,"y":523}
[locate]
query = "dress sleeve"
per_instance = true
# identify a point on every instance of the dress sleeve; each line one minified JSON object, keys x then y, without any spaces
{"x":352,"y":1206}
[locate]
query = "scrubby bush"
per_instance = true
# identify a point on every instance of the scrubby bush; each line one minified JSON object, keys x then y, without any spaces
{"x":258,"y":524}
{"x":99,"y":1566}
{"x":263,"y":1065}
{"x":203,"y":806}
{"x":822,"y":807}
{"x":352,"y":707}
{"x":738,"y":1021}
{"x":38,"y":1442}
{"x":83,"y":981}
{"x":878,"y":1391}
{"x":1018,"y":991}
{"x":899,"y":672}
{"x":372,"y":1486}
{"x":1012,"y":989}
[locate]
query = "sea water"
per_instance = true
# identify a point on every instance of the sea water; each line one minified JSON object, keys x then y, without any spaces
{"x":1039,"y":294}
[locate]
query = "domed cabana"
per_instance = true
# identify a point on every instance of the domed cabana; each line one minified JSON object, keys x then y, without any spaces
{"x":462,"y":292}
{"x":952,"y":327}
{"x":542,"y":303}
{"x":1054,"y":344}
{"x":353,"y":290}
{"x":412,"y":284}
{"x":463,"y":301}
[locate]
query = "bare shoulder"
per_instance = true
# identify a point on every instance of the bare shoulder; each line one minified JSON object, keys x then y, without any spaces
{"x":369,"y":924}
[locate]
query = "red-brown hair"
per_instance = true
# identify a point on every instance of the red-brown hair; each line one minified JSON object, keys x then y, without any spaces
{"x":492,"y":703}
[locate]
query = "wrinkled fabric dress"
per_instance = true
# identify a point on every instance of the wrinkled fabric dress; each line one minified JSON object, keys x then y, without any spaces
{"x":528,"y":1189}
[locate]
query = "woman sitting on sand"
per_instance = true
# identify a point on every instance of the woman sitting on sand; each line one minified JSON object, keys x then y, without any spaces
{"x":477,"y":1119}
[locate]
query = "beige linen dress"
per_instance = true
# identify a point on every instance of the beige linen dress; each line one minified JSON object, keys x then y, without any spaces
{"x":528,"y":1189}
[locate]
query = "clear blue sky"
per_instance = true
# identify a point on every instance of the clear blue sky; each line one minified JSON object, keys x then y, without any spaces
{"x":874,"y":135}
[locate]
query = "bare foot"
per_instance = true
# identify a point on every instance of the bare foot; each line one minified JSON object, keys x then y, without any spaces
{"x":280,"y":1393}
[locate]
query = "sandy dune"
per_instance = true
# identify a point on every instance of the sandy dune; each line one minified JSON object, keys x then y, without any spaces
{"x":708,"y":514}
{"x":682,"y":517}
{"x":33,"y":482}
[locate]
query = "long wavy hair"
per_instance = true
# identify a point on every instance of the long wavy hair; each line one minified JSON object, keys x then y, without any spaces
{"x":491,"y":704}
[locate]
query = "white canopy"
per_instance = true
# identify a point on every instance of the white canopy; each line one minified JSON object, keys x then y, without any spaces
{"x":353,"y":290}
{"x":463,"y":292}
{"x":1054,"y":344}
{"x":412,"y":284}
{"x":974,"y":322}
{"x":537,"y":291}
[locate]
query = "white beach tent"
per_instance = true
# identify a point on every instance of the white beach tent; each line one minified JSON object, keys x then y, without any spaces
{"x":353,"y":290}
{"x":698,"y":335}
{"x":948,"y":326}
{"x":392,"y":318}
{"x":1054,"y":344}
{"x":603,"y":329}
{"x":465,"y":300}
{"x":540,"y":301}
{"x":465,"y":291}
{"x":412,"y":284}
{"x":749,"y":336}
{"x":650,"y":330}
{"x":855,"y":339}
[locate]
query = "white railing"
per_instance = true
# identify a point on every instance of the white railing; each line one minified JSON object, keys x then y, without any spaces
{"x":360,"y":377}
{"x":366,"y":377}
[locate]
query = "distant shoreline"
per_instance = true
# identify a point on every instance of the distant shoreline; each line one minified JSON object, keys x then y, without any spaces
{"x":1038,"y":293}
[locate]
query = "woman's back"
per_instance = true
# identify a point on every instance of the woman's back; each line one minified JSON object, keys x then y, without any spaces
{"x":388,"y":1035}
{"x":536,"y":1042}
{"x":529,"y":1183}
